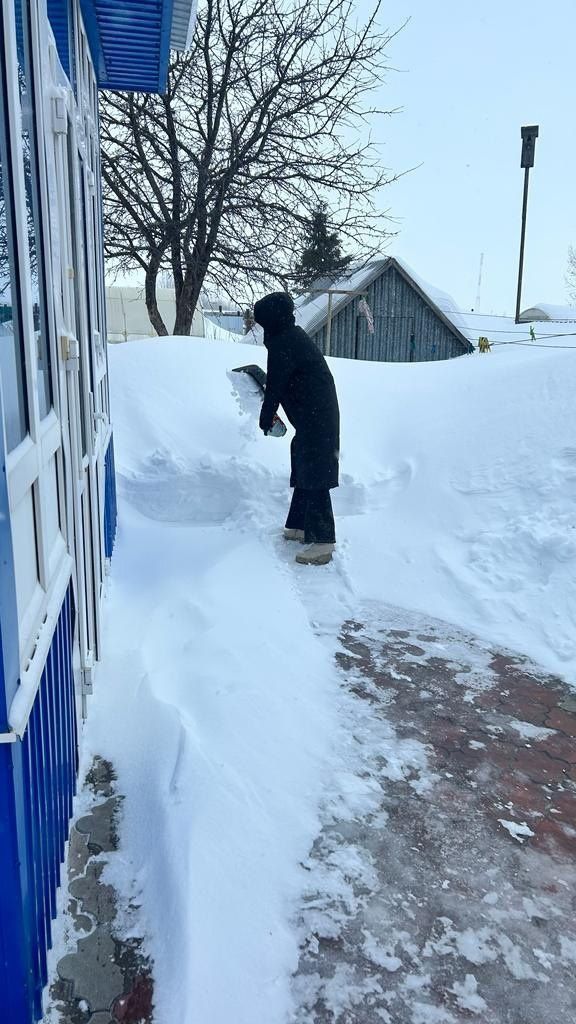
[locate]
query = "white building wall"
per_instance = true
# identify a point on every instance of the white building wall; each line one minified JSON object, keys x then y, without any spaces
{"x":128,"y":317}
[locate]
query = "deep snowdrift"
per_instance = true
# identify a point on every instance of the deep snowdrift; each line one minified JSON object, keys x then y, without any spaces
{"x":218,"y":701}
{"x":458,"y":478}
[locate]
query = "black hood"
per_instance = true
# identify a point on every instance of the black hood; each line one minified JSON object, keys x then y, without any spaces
{"x":275,"y":312}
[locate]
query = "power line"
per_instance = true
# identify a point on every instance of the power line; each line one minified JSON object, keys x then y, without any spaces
{"x":485,"y":316}
{"x":501,"y":330}
{"x":508,"y":316}
{"x":567,"y":334}
{"x":495,"y":330}
{"x":533,"y":344}
{"x":493,"y":316}
{"x":456,"y":312}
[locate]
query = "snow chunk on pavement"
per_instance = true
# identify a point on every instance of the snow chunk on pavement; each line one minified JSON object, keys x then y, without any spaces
{"x":529,"y":731}
{"x":519,"y":832}
{"x":379,"y":954}
{"x":467,"y":995}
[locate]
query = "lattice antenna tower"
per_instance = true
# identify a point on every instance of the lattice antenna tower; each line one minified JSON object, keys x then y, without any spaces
{"x":479,"y":290}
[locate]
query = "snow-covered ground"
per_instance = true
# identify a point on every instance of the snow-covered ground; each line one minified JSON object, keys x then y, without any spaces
{"x":218,"y":700}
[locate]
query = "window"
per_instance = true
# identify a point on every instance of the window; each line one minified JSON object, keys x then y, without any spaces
{"x":11,"y":341}
{"x":80,"y":299}
{"x":89,"y":311}
{"x":32,"y":185}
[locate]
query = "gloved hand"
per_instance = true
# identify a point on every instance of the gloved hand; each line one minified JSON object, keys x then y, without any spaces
{"x":265,"y":424}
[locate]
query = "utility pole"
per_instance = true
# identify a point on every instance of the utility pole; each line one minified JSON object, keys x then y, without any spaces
{"x":529,"y":135}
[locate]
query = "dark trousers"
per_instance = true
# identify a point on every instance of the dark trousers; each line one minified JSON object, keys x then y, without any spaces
{"x":311,"y":511}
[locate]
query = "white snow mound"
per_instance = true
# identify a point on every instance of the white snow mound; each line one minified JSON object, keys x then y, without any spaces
{"x":220,"y":703}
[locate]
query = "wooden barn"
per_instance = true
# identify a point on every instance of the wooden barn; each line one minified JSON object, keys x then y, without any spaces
{"x":385,"y":313}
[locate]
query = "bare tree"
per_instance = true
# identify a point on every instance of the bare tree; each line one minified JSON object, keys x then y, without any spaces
{"x":571,"y":273}
{"x":264,"y":119}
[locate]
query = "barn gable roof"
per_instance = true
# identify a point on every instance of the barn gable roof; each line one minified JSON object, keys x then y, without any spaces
{"x":312,"y":310}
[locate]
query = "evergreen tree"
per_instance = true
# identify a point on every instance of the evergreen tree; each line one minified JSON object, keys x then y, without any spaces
{"x":322,"y":254}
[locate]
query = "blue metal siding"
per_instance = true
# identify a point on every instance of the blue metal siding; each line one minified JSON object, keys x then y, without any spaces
{"x":37,"y":786}
{"x":165,"y":34}
{"x":110,"y":507}
{"x":406,"y":328}
{"x":50,"y":763}
{"x":129,"y":40}
{"x":16,"y":972}
{"x":37,"y":783}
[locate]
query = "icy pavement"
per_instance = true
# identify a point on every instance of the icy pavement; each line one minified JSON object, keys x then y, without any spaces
{"x":442,"y":886}
{"x":100,"y":972}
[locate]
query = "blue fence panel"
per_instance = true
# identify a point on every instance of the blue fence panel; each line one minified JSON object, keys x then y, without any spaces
{"x":110,"y":508}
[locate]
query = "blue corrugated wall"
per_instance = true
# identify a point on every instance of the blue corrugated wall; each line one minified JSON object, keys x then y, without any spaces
{"x":50,"y":764}
{"x":37,"y":784}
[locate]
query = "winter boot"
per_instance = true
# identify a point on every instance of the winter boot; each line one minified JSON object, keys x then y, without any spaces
{"x":316,"y":554}
{"x":293,"y":534}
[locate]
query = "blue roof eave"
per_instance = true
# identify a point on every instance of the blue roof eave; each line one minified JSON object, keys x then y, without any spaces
{"x":114,"y":28}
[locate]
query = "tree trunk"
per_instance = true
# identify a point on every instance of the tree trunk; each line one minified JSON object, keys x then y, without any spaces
{"x":187,"y":301}
{"x":150,"y":297}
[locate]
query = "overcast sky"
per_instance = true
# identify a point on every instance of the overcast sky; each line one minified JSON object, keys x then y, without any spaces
{"x":469,"y":75}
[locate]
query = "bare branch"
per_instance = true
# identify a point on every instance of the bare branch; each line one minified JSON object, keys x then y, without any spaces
{"x":263,"y":120}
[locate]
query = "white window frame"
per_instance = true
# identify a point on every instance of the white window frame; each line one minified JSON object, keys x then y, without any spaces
{"x":27,"y":464}
{"x":76,"y":141}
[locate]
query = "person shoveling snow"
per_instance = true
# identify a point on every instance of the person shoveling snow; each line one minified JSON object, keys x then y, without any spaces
{"x":299,"y":379}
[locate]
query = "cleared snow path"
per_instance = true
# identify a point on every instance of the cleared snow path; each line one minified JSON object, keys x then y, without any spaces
{"x":238,"y":738}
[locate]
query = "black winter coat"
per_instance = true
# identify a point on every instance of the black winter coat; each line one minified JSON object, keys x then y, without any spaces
{"x":299,"y":380}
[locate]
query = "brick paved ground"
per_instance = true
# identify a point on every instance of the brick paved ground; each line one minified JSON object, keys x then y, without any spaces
{"x":442,"y":887}
{"x":452,"y":898}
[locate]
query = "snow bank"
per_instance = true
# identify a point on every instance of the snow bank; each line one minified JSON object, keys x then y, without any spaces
{"x":218,"y":701}
{"x":458,"y":477}
{"x":465,"y":475}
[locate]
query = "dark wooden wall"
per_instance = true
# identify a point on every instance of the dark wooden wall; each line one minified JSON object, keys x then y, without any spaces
{"x":406,"y":329}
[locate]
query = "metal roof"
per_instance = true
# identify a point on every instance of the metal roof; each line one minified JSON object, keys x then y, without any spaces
{"x":183,"y":16}
{"x":130,"y":40}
